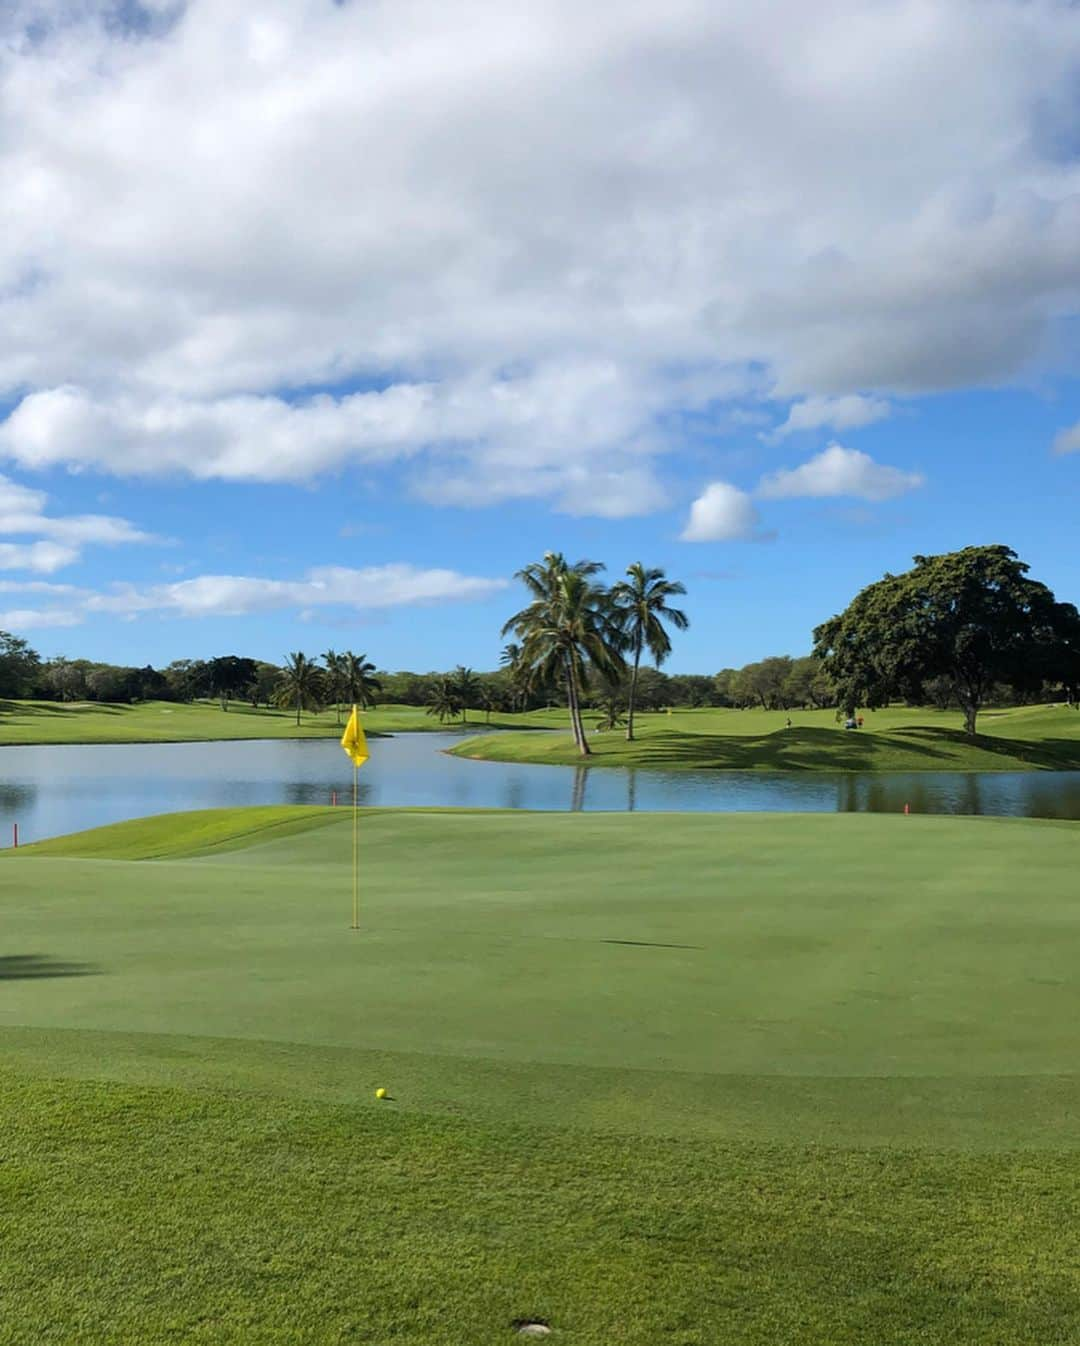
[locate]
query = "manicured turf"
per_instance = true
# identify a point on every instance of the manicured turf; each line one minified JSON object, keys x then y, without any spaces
{"x":169,"y":722}
{"x":687,"y":1079}
{"x":1027,"y":738}
{"x":895,"y":739}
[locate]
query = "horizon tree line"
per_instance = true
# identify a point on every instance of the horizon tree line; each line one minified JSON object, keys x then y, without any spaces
{"x":966,"y":629}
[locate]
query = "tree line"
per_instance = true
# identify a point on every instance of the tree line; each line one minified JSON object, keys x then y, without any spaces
{"x":966,"y":629}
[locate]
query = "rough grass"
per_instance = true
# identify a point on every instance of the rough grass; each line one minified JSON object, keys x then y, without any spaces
{"x":680,"y":1079}
{"x":897,"y":739}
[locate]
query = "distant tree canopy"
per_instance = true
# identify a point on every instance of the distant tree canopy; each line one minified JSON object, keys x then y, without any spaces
{"x":19,"y":665}
{"x":969,"y":620}
{"x":966,"y":629}
{"x":229,"y":676}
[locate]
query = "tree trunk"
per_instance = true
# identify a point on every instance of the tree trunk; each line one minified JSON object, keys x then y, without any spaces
{"x":298,"y":712}
{"x":633,"y":693}
{"x":575,"y":710}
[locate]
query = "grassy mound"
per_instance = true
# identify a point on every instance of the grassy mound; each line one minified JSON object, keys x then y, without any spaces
{"x":677,"y":1078}
{"x":897,"y":739}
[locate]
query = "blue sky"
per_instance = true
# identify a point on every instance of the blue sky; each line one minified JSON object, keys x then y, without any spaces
{"x":408,"y":302}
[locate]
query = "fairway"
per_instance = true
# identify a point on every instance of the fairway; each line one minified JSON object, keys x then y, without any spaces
{"x":895,"y":738}
{"x":780,"y":999}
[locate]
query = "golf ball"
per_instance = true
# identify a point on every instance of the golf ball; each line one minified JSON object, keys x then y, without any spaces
{"x":380,"y":1093}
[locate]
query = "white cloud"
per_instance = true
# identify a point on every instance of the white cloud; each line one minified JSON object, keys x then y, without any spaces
{"x":39,"y":587}
{"x":366,"y":590}
{"x":722,"y":513}
{"x":21,"y":514}
{"x":839,"y":471}
{"x":518,"y":225}
{"x":835,"y":413}
{"x":1068,"y":440}
{"x":569,"y":432}
{"x":42,"y":557}
{"x":31,"y":619}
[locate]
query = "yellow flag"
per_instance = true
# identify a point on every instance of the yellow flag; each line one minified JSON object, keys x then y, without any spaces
{"x":353,"y":740}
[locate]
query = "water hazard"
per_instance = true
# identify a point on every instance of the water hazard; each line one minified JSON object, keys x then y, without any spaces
{"x":50,"y":790}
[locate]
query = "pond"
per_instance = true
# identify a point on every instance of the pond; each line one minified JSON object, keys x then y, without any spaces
{"x":50,"y":790}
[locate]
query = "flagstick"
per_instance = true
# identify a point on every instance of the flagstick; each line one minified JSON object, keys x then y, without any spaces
{"x":355,"y":881}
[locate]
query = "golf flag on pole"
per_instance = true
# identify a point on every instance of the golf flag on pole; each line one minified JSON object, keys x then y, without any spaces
{"x":355,"y":744}
{"x":353,"y":740}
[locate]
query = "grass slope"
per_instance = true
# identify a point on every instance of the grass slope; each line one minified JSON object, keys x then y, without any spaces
{"x":898,"y":739}
{"x":895,"y":739}
{"x":762,"y":1079}
{"x":204,"y":721}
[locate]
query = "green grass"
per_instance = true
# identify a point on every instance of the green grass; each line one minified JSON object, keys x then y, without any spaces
{"x":1026,"y":738}
{"x":763,"y":1079}
{"x":170,"y":722}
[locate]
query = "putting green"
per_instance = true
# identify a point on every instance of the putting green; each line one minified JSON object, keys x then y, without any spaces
{"x":683,"y":1079}
{"x":849,"y":979}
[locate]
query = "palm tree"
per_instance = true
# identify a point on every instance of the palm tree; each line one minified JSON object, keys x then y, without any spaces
{"x":568,"y":629}
{"x":444,"y":700}
{"x":611,"y":710}
{"x":489,"y":700}
{"x":358,"y":679}
{"x":510,"y":659}
{"x":642,"y":604}
{"x":335,"y":679}
{"x":468,"y":689}
{"x":300,"y":684}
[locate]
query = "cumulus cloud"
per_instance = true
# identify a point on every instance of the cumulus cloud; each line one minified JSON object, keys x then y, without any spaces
{"x":836,"y":472}
{"x":493,"y":240}
{"x":44,"y":557}
{"x":571,"y":432}
{"x":833,"y":413}
{"x":723,"y":513}
{"x":63,"y":537}
{"x":370,"y":588}
{"x":1068,"y":440}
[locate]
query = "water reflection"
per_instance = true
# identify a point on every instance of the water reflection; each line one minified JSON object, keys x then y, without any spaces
{"x":16,"y":797}
{"x":49,"y":790}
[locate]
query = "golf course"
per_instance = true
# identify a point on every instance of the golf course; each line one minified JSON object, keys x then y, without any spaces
{"x":896,"y":738}
{"x":689,"y":1079}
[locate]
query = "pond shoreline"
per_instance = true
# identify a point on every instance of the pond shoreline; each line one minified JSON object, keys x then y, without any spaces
{"x":51,"y":790}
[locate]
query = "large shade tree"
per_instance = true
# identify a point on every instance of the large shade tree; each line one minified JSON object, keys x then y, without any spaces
{"x":972,"y":618}
{"x":229,"y":675}
{"x":19,"y":666}
{"x":641,"y":601}
{"x":569,"y":630}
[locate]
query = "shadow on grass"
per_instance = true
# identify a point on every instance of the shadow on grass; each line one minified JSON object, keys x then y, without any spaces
{"x":1062,"y":754}
{"x":812,"y":749}
{"x":62,"y":708}
{"x":32,"y":966}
